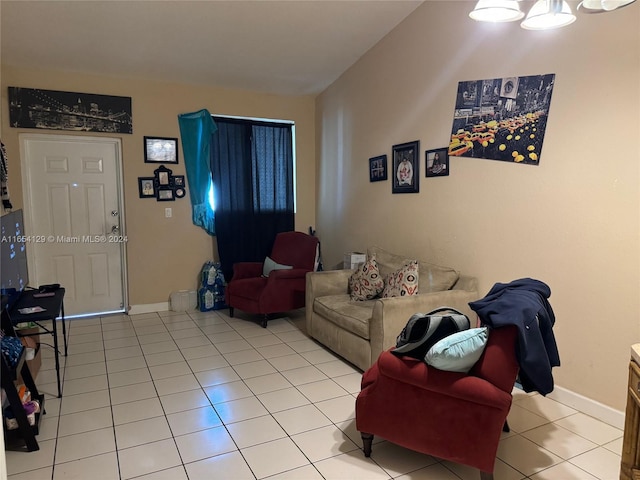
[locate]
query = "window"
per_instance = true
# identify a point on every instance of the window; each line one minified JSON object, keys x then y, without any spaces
{"x":252,"y":168}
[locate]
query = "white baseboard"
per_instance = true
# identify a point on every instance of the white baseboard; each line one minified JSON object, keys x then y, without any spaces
{"x":148,"y":308}
{"x":595,"y":409}
{"x":590,"y":407}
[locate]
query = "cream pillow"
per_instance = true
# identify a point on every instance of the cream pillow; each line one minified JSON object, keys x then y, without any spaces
{"x":433,"y":278}
{"x":366,"y":282}
{"x":402,"y":282}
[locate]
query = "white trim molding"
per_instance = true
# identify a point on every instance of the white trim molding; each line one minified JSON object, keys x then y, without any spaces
{"x":148,"y":308}
{"x":590,"y":407}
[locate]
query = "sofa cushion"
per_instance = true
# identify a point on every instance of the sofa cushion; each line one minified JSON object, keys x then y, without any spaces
{"x":366,"y":283}
{"x":353,"y":316}
{"x":433,"y":278}
{"x":403,"y":282}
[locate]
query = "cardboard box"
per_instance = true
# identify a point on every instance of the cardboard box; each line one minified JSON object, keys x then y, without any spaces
{"x":33,"y":333}
{"x":354,"y":259}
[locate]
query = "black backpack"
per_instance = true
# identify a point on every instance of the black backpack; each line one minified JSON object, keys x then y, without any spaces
{"x":423,"y":330}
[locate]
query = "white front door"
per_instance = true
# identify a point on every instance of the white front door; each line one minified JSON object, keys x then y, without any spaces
{"x":73,"y":211}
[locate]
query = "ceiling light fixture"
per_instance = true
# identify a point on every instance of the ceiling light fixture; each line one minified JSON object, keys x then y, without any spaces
{"x":548,"y":14}
{"x":544,"y":15}
{"x":600,"y":6}
{"x":497,"y":11}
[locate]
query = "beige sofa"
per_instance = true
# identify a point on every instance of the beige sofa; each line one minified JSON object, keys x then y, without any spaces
{"x":360,"y":330}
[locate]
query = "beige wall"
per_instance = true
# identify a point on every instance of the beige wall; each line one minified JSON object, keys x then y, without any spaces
{"x":166,"y":254}
{"x":572,"y":221}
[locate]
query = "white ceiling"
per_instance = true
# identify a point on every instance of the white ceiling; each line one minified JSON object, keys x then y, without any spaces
{"x":285,"y":47}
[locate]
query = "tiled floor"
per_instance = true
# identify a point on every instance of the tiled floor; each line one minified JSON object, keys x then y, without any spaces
{"x":204,"y":396}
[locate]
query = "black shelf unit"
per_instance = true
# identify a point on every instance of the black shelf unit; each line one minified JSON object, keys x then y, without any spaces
{"x":8,"y":376}
{"x":25,"y":431}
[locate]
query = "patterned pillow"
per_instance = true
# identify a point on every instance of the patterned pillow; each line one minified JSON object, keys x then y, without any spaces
{"x":434,"y":278}
{"x":366,"y":283}
{"x":402,"y":282}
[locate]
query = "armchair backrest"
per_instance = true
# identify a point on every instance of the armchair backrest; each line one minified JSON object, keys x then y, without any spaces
{"x":296,"y":249}
{"x":499,"y":364}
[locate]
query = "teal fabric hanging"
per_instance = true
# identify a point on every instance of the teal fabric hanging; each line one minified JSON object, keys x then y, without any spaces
{"x":195,"y":130}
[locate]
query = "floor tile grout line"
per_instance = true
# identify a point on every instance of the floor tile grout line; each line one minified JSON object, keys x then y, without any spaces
{"x":221,"y":422}
{"x":113,"y":421}
{"x":164,"y":415}
{"x":173,"y":435}
{"x":600,"y":444}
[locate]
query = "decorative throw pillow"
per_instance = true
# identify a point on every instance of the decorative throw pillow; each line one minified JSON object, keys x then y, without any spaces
{"x":366,"y":282}
{"x":402,"y":282}
{"x":433,"y":278}
{"x":270,"y":265}
{"x":458,"y":352}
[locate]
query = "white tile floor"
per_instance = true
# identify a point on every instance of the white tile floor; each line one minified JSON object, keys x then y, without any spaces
{"x":204,"y":396}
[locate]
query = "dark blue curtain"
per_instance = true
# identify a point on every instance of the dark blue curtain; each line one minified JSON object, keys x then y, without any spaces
{"x":252,"y":170}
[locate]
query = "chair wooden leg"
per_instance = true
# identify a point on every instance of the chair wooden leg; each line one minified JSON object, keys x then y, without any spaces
{"x":231,"y":312}
{"x":486,"y":475}
{"x":505,"y":427}
{"x":367,"y":440}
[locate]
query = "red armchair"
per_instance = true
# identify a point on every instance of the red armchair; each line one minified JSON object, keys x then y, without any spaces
{"x":282,"y":290}
{"x":452,"y":416}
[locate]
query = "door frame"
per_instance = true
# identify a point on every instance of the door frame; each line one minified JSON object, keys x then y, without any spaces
{"x":26,"y":200}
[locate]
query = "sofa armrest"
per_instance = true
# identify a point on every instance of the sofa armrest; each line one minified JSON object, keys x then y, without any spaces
{"x":287,"y":273}
{"x":466,"y":282}
{"x":246,"y":270}
{"x":452,"y":384}
{"x":330,"y":282}
{"x":319,"y":284}
{"x":390,"y":315}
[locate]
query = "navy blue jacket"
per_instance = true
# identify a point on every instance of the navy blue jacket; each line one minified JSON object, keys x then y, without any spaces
{"x":524,"y":303}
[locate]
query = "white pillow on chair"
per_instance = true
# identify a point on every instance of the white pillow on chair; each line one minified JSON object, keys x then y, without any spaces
{"x":270,"y":265}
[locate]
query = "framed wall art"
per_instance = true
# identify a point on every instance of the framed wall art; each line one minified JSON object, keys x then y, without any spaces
{"x":165,"y":195}
{"x":502,"y":118}
{"x":74,"y":111}
{"x":178,"y":180}
{"x":163,"y":176}
{"x":406,"y":166}
{"x":436,"y":162}
{"x":146,"y":187}
{"x":160,"y":150}
{"x":378,"y":168}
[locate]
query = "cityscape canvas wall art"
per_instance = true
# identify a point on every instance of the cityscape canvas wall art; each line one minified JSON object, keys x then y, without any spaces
{"x":80,"y":112}
{"x":502,"y":118}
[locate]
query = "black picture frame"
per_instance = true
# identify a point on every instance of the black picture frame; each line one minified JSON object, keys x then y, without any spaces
{"x":436,"y":162}
{"x":378,"y":168}
{"x":73,"y":111}
{"x":160,"y":150}
{"x":406,"y":167}
{"x":180,"y":192}
{"x":163,"y":176}
{"x":147,"y":187}
{"x":178,"y":180}
{"x":165,"y":195}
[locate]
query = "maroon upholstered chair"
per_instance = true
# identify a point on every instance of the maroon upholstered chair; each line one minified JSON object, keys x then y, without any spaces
{"x":282,"y":290}
{"x":452,"y":416}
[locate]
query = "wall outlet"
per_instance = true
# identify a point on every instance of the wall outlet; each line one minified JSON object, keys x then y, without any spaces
{"x":167,"y":212}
